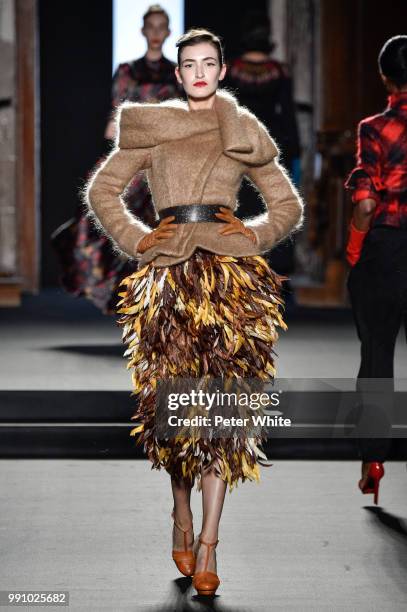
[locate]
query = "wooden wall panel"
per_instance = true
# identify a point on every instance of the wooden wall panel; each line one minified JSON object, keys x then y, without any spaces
{"x":338,"y":63}
{"x":27,"y":170}
{"x":352,"y":34}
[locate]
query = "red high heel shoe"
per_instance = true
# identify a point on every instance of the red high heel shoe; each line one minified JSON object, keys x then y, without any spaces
{"x":371,"y":476}
{"x":184,"y":559}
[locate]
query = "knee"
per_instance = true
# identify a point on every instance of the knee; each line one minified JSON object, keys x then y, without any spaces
{"x":215,"y":468}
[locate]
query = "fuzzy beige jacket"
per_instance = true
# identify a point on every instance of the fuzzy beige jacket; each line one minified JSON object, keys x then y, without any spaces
{"x":192,"y":157}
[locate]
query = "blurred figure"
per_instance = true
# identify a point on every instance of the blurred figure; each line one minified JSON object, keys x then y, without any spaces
{"x":90,"y":266}
{"x":264,"y":86}
{"x":150,"y":78}
{"x":377,"y":244}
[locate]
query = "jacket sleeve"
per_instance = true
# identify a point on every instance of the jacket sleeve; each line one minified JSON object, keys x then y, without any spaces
{"x":364,"y":181}
{"x":104,"y":202}
{"x":284,"y":205}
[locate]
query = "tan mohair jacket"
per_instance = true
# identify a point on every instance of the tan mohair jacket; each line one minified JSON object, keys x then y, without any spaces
{"x":193,"y":157}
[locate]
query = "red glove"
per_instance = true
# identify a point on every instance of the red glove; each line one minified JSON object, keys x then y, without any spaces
{"x":355,"y":243}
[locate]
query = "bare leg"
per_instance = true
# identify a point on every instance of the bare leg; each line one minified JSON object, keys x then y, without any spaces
{"x":213,"y":496}
{"x":183,"y":515}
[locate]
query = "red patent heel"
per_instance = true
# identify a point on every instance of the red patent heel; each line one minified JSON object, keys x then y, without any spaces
{"x":372,"y":473}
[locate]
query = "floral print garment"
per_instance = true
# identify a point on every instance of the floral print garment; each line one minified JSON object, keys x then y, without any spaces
{"x":89,"y":267}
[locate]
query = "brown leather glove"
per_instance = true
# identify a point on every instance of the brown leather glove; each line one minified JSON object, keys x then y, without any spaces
{"x":235,"y":225}
{"x":163,"y":231}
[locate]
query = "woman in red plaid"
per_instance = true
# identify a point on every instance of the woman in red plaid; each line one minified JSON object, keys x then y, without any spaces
{"x":377,"y":248}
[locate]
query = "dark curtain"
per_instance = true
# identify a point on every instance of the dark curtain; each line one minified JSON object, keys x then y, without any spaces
{"x":222,"y":18}
{"x":75,"y":82}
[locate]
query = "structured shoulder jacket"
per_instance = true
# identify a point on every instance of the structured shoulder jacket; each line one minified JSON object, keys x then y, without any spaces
{"x":193,"y":157}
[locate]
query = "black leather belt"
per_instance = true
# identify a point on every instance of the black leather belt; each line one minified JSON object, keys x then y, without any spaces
{"x":190,"y":213}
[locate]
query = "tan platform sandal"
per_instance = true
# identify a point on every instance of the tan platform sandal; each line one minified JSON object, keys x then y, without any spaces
{"x":184,"y":559}
{"x":206,"y":582}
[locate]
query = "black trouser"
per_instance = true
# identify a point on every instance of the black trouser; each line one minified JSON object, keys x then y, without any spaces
{"x":377,"y":287}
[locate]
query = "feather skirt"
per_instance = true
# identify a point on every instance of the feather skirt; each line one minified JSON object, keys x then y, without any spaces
{"x":212,"y":315}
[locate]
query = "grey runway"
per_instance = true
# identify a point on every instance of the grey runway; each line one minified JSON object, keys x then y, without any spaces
{"x":304,"y":539}
{"x":301,"y":539}
{"x":59,"y":342}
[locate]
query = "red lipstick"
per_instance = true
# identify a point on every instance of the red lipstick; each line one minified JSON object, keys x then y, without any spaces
{"x":200,"y":84}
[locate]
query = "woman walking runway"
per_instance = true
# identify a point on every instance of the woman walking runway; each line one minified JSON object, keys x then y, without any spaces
{"x":377,"y":252}
{"x":203,"y":301}
{"x":89,"y":266}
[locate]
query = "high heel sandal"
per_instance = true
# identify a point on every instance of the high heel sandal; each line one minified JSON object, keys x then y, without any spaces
{"x":372,"y":478}
{"x":206,"y":582}
{"x":184,"y":559}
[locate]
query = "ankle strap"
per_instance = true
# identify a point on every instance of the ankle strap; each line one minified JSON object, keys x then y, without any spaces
{"x":208,"y":543}
{"x":179,"y":526}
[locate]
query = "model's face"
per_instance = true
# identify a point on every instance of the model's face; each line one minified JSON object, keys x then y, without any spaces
{"x":200,"y":71}
{"x":156,"y":31}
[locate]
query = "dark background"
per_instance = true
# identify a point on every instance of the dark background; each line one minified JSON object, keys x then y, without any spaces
{"x":76,"y":73}
{"x":75,"y":84}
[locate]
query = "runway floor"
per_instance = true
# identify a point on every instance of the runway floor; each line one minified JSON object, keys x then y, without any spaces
{"x":304,"y":539}
{"x":55,"y":341}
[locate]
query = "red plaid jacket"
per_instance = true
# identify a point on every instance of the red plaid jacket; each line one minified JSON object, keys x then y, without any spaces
{"x":381,"y":171}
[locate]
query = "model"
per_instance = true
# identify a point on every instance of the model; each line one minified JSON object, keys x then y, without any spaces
{"x":377,"y":245}
{"x":203,"y":300}
{"x":89,"y":266}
